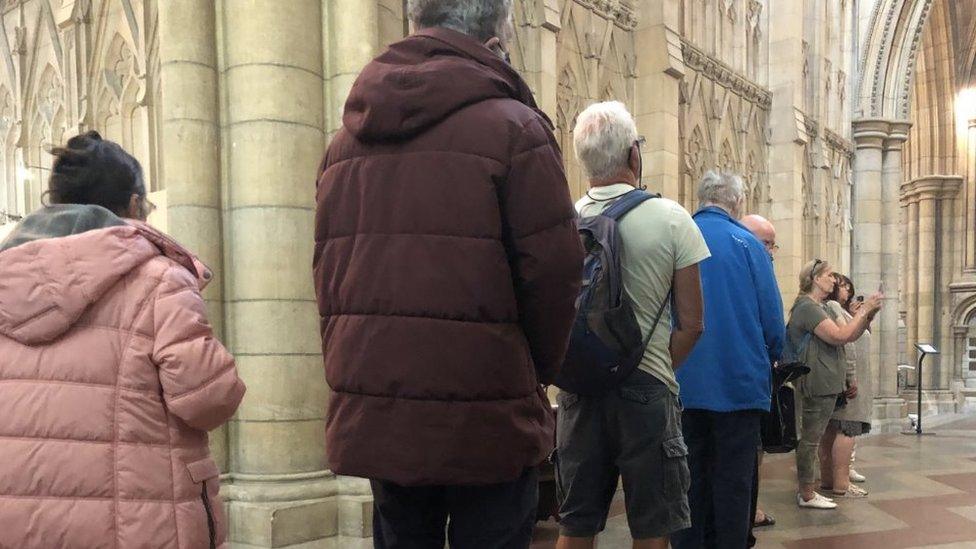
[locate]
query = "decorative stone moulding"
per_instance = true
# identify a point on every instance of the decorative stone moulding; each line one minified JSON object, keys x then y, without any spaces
{"x":724,"y":75}
{"x":930,"y":187}
{"x":621,"y":13}
{"x":811,"y":126}
{"x":837,"y":142}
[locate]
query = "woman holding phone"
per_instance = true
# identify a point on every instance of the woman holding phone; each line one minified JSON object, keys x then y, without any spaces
{"x":853,"y":420}
{"x":822,"y":340}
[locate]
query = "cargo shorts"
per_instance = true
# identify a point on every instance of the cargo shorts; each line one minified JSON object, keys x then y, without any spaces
{"x":632,"y":432}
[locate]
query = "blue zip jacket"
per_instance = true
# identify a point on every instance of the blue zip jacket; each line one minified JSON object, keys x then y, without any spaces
{"x":729,"y":368}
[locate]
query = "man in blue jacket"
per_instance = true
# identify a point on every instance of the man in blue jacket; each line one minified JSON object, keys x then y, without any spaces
{"x":725,"y":382}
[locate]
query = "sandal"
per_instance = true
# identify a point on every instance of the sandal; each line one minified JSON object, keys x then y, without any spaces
{"x":853,"y":492}
{"x":767,"y":520}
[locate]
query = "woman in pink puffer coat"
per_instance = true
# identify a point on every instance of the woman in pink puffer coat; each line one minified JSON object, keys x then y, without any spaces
{"x":110,"y":376}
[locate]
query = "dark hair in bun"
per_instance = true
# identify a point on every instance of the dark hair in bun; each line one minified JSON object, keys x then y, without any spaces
{"x":91,"y":170}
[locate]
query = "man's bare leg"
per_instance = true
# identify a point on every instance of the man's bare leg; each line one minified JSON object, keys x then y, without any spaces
{"x":651,"y":543}
{"x":566,"y":542}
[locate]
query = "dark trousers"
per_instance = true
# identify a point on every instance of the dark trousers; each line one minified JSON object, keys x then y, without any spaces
{"x":496,"y":516}
{"x":755,"y":502}
{"x":722,"y":459}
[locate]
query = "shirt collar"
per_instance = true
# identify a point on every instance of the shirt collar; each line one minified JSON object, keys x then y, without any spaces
{"x":607,"y":192}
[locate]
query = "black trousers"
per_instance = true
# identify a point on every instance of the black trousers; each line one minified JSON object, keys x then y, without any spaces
{"x":496,"y":516}
{"x":722,"y":458}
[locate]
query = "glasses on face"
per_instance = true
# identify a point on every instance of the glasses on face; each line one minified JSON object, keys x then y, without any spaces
{"x":147,"y":206}
{"x":771,"y":245}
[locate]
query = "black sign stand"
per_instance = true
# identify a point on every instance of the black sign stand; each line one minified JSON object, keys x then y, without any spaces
{"x":924,"y":350}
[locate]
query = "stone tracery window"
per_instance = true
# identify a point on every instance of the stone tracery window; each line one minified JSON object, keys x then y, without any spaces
{"x":46,"y":129}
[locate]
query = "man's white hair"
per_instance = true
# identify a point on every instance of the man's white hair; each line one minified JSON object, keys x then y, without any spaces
{"x":482,"y":19}
{"x":603,"y":136}
{"x":722,"y":189}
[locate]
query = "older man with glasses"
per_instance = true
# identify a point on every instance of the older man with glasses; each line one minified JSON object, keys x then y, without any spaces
{"x":725,"y":383}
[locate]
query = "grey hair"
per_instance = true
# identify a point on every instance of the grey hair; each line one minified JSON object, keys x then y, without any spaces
{"x":481,"y":19}
{"x":722,"y":189}
{"x":602,"y":138}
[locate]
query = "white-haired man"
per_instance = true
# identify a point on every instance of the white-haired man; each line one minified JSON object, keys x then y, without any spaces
{"x":725,"y":383}
{"x":633,"y":431}
{"x":763,"y":230}
{"x":447,"y":266}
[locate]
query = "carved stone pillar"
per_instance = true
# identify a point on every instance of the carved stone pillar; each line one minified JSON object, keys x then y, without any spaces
{"x":189,"y":148}
{"x":927,"y":197}
{"x":350,"y":31}
{"x":970,"y":198}
{"x":910,"y":297}
{"x":868,"y":211}
{"x":660,"y":68}
{"x":887,"y":323}
{"x":271,"y":68}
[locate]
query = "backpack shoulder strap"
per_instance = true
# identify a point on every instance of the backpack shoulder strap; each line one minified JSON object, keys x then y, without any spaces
{"x":627,"y":202}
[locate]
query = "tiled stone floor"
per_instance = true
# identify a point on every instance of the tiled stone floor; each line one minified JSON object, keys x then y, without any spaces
{"x":923,"y":494}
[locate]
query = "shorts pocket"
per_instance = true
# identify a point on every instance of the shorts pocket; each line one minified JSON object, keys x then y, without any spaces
{"x":677,"y":477}
{"x":567,"y":400}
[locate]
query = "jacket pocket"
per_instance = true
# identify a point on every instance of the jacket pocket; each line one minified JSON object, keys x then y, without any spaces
{"x":205,"y":473}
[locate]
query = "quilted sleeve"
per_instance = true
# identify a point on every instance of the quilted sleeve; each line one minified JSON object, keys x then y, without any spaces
{"x":543,"y":246}
{"x":197,"y":374}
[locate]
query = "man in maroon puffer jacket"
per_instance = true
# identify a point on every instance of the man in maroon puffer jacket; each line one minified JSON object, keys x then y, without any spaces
{"x":447,"y":264}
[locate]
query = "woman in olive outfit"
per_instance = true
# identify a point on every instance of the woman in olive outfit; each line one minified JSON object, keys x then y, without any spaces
{"x":827,"y":385}
{"x":853,"y":420}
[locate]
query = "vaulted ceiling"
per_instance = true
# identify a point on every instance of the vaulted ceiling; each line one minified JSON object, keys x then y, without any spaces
{"x":961,"y":16}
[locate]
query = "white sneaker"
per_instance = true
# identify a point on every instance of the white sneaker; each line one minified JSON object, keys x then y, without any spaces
{"x":857,"y":477}
{"x":818,"y":502}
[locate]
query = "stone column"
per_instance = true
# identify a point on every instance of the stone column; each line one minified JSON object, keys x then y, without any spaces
{"x":351,"y":39}
{"x":927,"y":241}
{"x":868,"y":213}
{"x":970,"y":214}
{"x":189,"y":165}
{"x":787,"y":158}
{"x":911,"y":274}
{"x":886,"y":325}
{"x":657,"y":109}
{"x":273,"y":138}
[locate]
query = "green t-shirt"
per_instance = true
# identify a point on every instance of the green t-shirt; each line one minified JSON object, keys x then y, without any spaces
{"x":828,"y":367}
{"x":659,"y":237}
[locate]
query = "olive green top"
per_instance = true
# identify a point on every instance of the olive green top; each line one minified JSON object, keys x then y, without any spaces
{"x":828,"y":365}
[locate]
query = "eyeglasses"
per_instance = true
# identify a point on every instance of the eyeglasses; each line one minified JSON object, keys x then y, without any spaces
{"x":640,"y":142}
{"x":147,"y":206}
{"x":771,"y":245}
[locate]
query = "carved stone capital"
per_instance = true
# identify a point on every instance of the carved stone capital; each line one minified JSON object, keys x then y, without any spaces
{"x":931,"y":187}
{"x":870,"y":133}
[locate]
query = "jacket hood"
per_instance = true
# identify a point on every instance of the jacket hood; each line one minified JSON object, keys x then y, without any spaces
{"x":48,"y":279}
{"x":422,"y":79}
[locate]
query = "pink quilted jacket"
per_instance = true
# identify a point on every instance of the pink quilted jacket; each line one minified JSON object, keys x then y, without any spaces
{"x":110,"y":378}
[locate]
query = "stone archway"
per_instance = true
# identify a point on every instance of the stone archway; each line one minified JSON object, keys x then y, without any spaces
{"x":912,"y":194}
{"x":880,"y":129}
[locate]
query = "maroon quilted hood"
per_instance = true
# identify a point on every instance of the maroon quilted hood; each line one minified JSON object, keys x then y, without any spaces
{"x":447,"y":264}
{"x":422,"y":80}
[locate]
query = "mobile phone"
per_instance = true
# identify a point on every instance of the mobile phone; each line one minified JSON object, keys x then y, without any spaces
{"x":859,"y":298}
